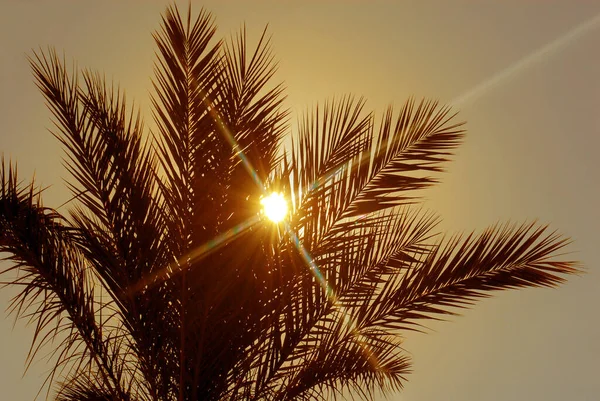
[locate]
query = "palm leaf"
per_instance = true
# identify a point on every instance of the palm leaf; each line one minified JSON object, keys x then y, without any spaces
{"x":120,"y":224}
{"x":458,"y":272}
{"x":54,"y":275}
{"x":353,"y":267}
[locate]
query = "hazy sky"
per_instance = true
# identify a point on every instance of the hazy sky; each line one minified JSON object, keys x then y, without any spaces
{"x":531,"y":150}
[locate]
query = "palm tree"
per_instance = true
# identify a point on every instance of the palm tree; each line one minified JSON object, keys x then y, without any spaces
{"x":166,"y":280}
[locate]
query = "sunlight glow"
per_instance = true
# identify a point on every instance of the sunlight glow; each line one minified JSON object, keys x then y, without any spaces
{"x":275,"y":207}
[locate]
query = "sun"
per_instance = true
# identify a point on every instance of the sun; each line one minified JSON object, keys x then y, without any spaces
{"x":274,"y":207}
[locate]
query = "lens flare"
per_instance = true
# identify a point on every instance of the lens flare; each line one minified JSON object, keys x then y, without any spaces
{"x":275,"y":207}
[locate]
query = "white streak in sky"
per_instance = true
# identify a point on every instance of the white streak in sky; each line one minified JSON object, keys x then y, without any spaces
{"x":538,"y":55}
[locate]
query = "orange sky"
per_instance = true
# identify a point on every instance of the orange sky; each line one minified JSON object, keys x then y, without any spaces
{"x":531,"y":150}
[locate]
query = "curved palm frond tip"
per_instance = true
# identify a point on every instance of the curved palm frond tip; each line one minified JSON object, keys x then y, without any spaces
{"x":164,"y":281}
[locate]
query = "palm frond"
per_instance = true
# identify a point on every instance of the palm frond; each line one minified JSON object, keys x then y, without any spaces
{"x":419,"y":142}
{"x":109,"y":160}
{"x":84,"y":387}
{"x":53,"y":274}
{"x":250,"y":110}
{"x":347,"y":359}
{"x":120,"y":227}
{"x":191,"y":150}
{"x":378,"y":177}
{"x":353,"y":264}
{"x":320,"y":156}
{"x":458,"y":272}
{"x":252,"y":119}
{"x":372,"y":172}
{"x":326,"y":141}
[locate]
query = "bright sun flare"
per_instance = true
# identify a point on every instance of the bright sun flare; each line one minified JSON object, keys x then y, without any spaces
{"x":275,"y":207}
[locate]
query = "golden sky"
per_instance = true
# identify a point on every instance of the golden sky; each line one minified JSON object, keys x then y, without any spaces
{"x":531,"y":151}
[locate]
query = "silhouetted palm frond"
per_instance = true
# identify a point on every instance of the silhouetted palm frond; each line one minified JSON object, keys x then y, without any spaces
{"x":165,"y":281}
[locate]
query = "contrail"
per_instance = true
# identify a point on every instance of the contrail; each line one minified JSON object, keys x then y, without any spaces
{"x":538,"y":55}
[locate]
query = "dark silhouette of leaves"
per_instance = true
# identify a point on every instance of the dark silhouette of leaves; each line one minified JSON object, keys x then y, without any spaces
{"x":165,"y":281}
